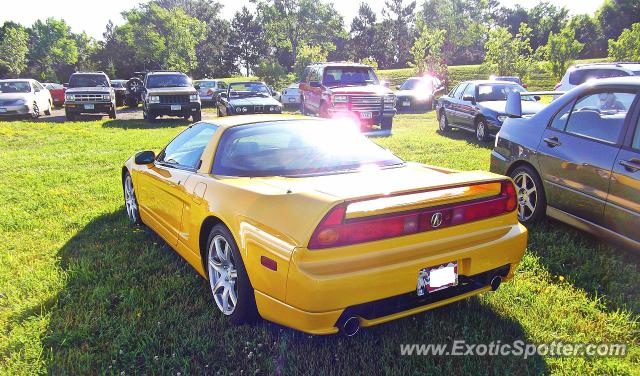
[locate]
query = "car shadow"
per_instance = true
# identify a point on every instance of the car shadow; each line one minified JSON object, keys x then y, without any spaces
{"x":132,"y":305}
{"x":144,"y":124}
{"x":604,"y":271}
{"x":470,"y":138}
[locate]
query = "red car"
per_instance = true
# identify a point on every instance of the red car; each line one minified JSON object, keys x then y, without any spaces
{"x":347,"y":90}
{"x":57,"y":93}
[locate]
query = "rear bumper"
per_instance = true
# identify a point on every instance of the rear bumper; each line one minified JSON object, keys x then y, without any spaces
{"x":380,"y":286}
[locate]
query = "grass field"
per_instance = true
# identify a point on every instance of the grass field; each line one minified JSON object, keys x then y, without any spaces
{"x":82,"y":292}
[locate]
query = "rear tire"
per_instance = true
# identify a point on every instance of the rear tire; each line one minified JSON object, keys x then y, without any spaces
{"x":228,"y":277}
{"x":48,"y":111}
{"x":113,"y":114}
{"x":219,"y":112}
{"x":532,"y":201}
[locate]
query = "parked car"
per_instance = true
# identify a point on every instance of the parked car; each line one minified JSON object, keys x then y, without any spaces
{"x":209,"y":90}
{"x":581,"y":73}
{"x":89,"y":92}
{"x":578,"y":160}
{"x":244,"y":98}
{"x":119,"y":86}
{"x":305,"y":222}
{"x":479,"y":107}
{"x":57,"y":92}
{"x":290,"y":96}
{"x":515,"y":79}
{"x":168,"y":93}
{"x":417,"y":94}
{"x":24,"y":97}
{"x":347,"y":90}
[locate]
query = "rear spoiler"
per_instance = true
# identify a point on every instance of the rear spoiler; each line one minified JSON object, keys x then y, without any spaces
{"x":514,"y":101}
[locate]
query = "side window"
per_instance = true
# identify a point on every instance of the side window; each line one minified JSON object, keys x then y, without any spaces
{"x":470,"y":91}
{"x":459,"y":91}
{"x":636,"y":138}
{"x":186,"y":149}
{"x":453,"y":91}
{"x":560,"y":120}
{"x":600,"y":116}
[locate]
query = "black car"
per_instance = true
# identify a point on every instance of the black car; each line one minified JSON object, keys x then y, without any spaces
{"x":515,"y":79}
{"x":479,"y":107}
{"x":169,"y":93}
{"x":120,"y":89}
{"x":578,"y":159}
{"x":242,"y":98}
{"x":417,"y":94}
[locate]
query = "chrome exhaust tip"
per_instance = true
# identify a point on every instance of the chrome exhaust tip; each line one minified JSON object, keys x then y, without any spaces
{"x":495,"y":283}
{"x":351,"y":326}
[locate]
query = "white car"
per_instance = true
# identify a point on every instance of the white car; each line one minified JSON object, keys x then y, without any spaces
{"x":209,"y":89}
{"x":290,"y":95}
{"x":24,"y":97}
{"x":581,"y":73}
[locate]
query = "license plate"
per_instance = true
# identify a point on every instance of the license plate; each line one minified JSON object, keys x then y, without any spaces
{"x":3,"y":110}
{"x":292,"y":100}
{"x":437,"y":278}
{"x":89,"y":106}
{"x":406,"y":103}
{"x":176,"y":107}
{"x":366,"y":115}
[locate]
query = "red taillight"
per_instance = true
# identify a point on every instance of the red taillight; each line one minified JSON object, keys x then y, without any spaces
{"x":209,"y":92}
{"x":334,"y":230}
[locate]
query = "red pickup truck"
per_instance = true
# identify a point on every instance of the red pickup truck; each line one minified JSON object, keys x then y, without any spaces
{"x":347,"y":90}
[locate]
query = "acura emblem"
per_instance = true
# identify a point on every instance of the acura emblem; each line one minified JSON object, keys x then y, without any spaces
{"x":436,"y":220}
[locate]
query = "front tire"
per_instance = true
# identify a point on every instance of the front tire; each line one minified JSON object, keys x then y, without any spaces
{"x":386,"y":124}
{"x":532,"y":201}
{"x":443,"y":123}
{"x":230,"y":286}
{"x":69,"y":116}
{"x":36,"y":111}
{"x":482,"y":131}
{"x":113,"y":114}
{"x":130,"y":200}
{"x":197,"y":116}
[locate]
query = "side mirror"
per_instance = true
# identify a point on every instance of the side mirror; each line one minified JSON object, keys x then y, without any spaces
{"x":314,"y":83}
{"x":223,"y":95}
{"x":468,"y":98}
{"x":65,"y":85}
{"x":398,"y":87}
{"x":145,"y":157}
{"x":513,"y":107}
{"x":196,"y":86}
{"x":537,"y":97}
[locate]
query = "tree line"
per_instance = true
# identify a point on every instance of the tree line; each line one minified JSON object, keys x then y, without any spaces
{"x":281,"y":37}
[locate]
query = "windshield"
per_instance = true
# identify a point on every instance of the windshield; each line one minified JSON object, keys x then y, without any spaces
{"x":118,"y":83}
{"x":420,"y":84}
{"x":336,"y":76}
{"x":248,"y":89}
{"x":88,"y":80}
{"x":15,"y":87}
{"x":168,"y":80}
{"x":294,"y":148}
{"x":498,"y":92}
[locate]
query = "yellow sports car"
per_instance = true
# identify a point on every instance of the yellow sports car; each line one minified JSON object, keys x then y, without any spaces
{"x":309,"y":224}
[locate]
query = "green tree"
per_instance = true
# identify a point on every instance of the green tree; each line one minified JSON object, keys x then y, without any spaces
{"x":616,"y":15}
{"x":307,"y":55}
{"x":273,"y":74}
{"x":588,"y":32}
{"x":399,"y":19}
{"x":362,"y":42}
{"x":52,"y":49}
{"x":427,"y":50}
{"x":247,"y":40}
{"x":627,"y":46}
{"x":507,"y":54}
{"x":13,"y":51}
{"x":560,"y":52}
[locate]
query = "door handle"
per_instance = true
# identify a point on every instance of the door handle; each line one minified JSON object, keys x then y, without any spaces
{"x":552,"y":141}
{"x":633,"y":165}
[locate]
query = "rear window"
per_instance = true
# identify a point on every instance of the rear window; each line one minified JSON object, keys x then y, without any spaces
{"x":581,"y":76}
{"x":294,"y":148}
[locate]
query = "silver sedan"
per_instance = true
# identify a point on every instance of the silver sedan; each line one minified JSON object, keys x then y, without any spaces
{"x":24,"y":97}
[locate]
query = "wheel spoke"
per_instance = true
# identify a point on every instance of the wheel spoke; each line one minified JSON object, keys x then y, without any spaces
{"x":219,"y":251}
{"x":216,"y":267}
{"x":218,"y":285}
{"x":227,"y":250}
{"x":528,"y":204}
{"x":225,"y":300}
{"x":233,"y":296}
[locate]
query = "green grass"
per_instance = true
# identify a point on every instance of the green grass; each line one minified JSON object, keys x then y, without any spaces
{"x":81,"y":292}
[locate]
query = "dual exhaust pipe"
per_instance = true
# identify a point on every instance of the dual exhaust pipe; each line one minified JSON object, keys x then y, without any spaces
{"x":351,"y":325}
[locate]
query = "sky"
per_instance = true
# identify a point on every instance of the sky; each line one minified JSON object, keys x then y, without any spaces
{"x":92,"y":16}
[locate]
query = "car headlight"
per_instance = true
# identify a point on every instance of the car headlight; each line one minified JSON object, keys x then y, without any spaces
{"x":274,"y":109}
{"x":502,"y":118}
{"x":495,"y":145}
{"x":70,"y":97}
{"x":244,"y":109}
{"x":106,"y":97}
{"x":389,"y":99}
{"x":19,"y":102}
{"x":340,"y":99}
{"x":154,"y":99}
{"x":194,"y":98}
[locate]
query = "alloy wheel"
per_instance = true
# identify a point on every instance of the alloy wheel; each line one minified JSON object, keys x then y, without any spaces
{"x":223,"y":275}
{"x":36,"y":111}
{"x":443,"y":122}
{"x":130,"y":200}
{"x":480,"y":131}
{"x":527,"y":195}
